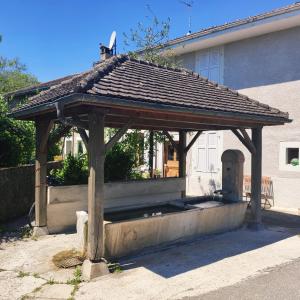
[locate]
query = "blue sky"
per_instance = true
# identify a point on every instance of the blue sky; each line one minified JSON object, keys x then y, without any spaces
{"x":55,"y":38}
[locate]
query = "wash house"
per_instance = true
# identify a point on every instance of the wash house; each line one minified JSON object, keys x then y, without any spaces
{"x":125,"y":93}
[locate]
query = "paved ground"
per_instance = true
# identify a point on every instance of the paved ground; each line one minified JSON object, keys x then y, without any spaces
{"x":241,"y":264}
{"x":279,"y":283}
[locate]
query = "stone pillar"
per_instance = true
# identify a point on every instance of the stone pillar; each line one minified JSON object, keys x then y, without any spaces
{"x":42,"y":127}
{"x":256,"y":174}
{"x":182,"y":158}
{"x":233,"y":174}
{"x":94,"y":266}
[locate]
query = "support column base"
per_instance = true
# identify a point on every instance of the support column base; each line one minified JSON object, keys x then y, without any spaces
{"x":92,"y":270}
{"x":40,"y":231}
{"x":255,"y":226}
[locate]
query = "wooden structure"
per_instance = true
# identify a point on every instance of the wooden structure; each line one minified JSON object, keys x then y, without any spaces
{"x":124,"y":93}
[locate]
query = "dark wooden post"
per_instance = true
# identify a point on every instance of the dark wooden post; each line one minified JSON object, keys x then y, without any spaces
{"x":96,"y":187}
{"x":182,"y":158}
{"x":43,"y":127}
{"x":151,"y":142}
{"x":256,"y":174}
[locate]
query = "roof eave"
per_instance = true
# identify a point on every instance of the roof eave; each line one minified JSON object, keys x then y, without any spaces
{"x":79,"y":98}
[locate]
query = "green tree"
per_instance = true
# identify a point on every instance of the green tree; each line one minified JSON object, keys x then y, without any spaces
{"x":147,"y":41}
{"x":13,"y":75}
{"x":16,"y":139}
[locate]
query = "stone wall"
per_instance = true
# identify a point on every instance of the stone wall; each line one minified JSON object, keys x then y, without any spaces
{"x":17,"y":191}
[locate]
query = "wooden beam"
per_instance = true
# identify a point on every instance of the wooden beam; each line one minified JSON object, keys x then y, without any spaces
{"x":118,"y":135}
{"x":248,"y":144}
{"x":248,"y":139}
{"x":192,"y":142}
{"x":43,"y":127}
{"x":96,"y":187}
{"x":84,"y":137}
{"x":170,"y":138}
{"x":256,"y":175}
{"x":182,"y":158}
{"x":56,"y":136}
{"x":151,"y":154}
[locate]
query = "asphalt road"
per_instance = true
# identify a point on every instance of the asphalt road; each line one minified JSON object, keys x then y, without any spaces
{"x":282,"y":282}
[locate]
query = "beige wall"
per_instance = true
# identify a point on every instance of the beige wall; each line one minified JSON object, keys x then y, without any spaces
{"x":267,"y":69}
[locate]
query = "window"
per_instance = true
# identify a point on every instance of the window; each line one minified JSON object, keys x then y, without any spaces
{"x":206,"y":156}
{"x":209,"y":63}
{"x":292,"y":154}
{"x":289,"y":156}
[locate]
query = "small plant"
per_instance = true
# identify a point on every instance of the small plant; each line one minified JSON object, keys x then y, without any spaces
{"x":51,"y":281}
{"x":36,"y":275}
{"x":77,"y":277}
{"x":114,"y":268}
{"x":23,"y":274}
{"x":26,"y":232}
{"x":295,"y":162}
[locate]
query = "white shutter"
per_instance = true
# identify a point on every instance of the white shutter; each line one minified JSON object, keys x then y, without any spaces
{"x":202,"y":153}
{"x":212,"y":152}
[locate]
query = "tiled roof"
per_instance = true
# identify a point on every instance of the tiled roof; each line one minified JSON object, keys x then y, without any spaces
{"x":213,"y":29}
{"x":129,"y":79}
{"x":30,"y":90}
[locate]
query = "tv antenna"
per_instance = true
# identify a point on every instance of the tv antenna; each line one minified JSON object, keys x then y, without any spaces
{"x":189,"y":4}
{"x":113,"y":43}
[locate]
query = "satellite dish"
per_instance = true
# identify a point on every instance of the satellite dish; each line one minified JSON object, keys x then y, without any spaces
{"x":112,"y":41}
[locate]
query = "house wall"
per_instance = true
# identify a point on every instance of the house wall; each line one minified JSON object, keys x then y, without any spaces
{"x":267,"y":69}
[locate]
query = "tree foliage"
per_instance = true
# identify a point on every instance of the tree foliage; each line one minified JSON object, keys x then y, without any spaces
{"x":147,"y":40}
{"x":16,"y":137}
{"x":13,"y":75}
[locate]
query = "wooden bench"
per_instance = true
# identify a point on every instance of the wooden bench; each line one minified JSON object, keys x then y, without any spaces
{"x":267,"y":194}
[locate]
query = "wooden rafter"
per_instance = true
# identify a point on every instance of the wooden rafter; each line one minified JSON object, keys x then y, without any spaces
{"x":192,"y":142}
{"x":118,"y":135}
{"x":170,"y":138}
{"x":245,"y":139}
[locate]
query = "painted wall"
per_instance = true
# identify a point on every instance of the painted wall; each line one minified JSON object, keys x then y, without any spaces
{"x":267,"y":69}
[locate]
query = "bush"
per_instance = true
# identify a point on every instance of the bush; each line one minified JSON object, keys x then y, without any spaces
{"x":74,"y":171}
{"x":118,"y":164}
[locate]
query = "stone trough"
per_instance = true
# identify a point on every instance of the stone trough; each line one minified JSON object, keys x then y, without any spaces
{"x":131,"y":231}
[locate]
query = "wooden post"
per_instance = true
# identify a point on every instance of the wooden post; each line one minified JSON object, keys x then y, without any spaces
{"x":42,"y":132}
{"x":182,"y":158}
{"x":96,"y":187}
{"x":151,"y":142}
{"x":256,"y":174}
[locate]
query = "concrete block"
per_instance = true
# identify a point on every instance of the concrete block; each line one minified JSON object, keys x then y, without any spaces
{"x":92,"y":270}
{"x":81,"y":229}
{"x":40,"y":231}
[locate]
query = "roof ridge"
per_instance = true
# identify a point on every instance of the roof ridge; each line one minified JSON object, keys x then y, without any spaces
{"x":99,"y":70}
{"x":211,"y":29}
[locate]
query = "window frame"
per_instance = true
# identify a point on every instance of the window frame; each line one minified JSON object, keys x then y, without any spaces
{"x":283,"y":152}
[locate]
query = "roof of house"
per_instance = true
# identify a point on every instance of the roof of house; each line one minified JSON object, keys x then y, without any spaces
{"x":139,"y":82}
{"x":33,"y":89}
{"x":252,"y":19}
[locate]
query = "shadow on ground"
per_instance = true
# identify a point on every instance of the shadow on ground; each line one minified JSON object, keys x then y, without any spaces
{"x":15,"y":230}
{"x":186,"y":256}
